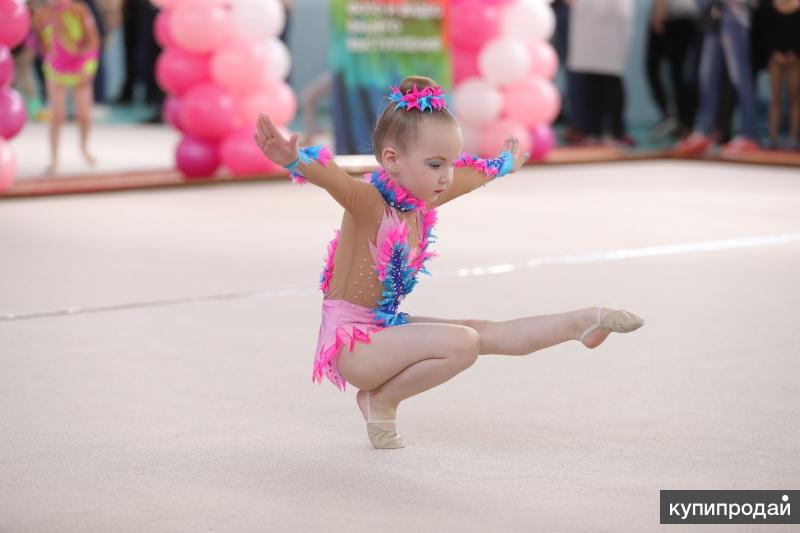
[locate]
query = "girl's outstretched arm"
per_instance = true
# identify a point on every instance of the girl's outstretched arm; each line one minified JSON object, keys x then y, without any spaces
{"x":315,"y":164}
{"x":471,"y":171}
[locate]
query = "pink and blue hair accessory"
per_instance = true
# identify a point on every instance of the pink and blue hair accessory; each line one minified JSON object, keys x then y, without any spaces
{"x":492,"y":168}
{"x":319,"y":152}
{"x":426,"y":99}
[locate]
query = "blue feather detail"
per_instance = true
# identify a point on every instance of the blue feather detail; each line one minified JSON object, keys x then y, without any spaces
{"x":400,"y":280}
{"x":306,"y":156}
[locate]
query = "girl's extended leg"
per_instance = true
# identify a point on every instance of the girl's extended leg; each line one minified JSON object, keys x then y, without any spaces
{"x":522,"y":336}
{"x":57,"y":96}
{"x":83,"y":108}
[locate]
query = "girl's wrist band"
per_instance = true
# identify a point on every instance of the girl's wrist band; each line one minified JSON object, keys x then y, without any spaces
{"x":307,"y":155}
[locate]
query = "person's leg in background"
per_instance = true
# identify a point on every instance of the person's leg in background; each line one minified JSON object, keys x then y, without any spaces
{"x":709,"y":77}
{"x":83,"y":98}
{"x":559,"y":42}
{"x":99,"y":78}
{"x":153,"y":94}
{"x":777,"y":69}
{"x":129,"y":30}
{"x":615,"y":98}
{"x":592,"y":106}
{"x":57,"y":97}
{"x":735,"y":41}
{"x":726,"y":107}
{"x":656,"y":40}
{"x":680,"y":35}
{"x":793,"y":75}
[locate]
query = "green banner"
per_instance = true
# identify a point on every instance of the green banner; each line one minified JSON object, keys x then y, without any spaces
{"x":374,"y":44}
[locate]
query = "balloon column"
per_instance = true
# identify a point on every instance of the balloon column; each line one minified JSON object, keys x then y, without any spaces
{"x":222,"y":64}
{"x":14,"y":28}
{"x":503,"y":69}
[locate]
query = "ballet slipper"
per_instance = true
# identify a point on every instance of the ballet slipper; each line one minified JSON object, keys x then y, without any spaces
{"x":619,"y":321}
{"x":379,"y":437}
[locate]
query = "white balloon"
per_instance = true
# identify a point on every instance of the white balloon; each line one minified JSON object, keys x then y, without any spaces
{"x":504,"y":61}
{"x":257,"y":20}
{"x":279,"y":60}
{"x":476,"y":101}
{"x":529,"y":20}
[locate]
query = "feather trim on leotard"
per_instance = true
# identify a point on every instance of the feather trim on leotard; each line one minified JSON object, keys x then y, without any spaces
{"x":318,"y":152}
{"x":325,"y":362}
{"x":492,"y":168}
{"x":390,"y":255}
{"x":419,"y":257}
{"x":327,"y":272}
{"x":393,"y":193}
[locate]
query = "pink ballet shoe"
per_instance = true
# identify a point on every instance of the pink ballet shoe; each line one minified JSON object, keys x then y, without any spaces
{"x":619,"y":321}
{"x":379,"y":437}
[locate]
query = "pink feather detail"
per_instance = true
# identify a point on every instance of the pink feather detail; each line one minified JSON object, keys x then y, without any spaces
{"x":328,"y":354}
{"x":429,"y":220}
{"x":325,"y":155}
{"x":382,"y":247}
{"x":328,"y":271}
{"x":479,"y":164}
{"x":297,"y":178}
{"x":402,"y":195}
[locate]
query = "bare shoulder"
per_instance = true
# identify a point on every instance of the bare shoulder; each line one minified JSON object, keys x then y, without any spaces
{"x":373,"y":197}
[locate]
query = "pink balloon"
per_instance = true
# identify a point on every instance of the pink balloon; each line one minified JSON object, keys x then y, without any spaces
{"x":544,"y":60}
{"x":242,"y":156}
{"x":201,"y":26}
{"x":196,"y":158}
{"x":171,"y":112}
{"x":531,"y":101}
{"x":177,"y":71}
{"x":239,"y":66}
{"x":163,"y":32}
{"x":543,"y":140}
{"x":6,"y":67}
{"x":12,"y":113}
{"x":471,"y":23}
{"x":275,"y":99}
{"x":208,"y":112}
{"x":465,"y":64}
{"x":8,"y":165}
{"x":15,"y":22}
{"x":494,"y":134}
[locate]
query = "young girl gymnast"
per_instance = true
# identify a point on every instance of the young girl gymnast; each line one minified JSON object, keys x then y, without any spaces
{"x":71,"y":44}
{"x":382,"y":245}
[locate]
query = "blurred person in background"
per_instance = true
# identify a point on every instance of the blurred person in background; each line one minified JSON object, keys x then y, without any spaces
{"x":782,"y":47}
{"x":141,"y":53}
{"x":572,"y":112}
{"x":599,"y":42}
{"x":71,"y":46}
{"x":673,"y":37}
{"x":726,"y":40}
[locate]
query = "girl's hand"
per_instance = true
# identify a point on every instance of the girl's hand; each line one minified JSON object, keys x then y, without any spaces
{"x":512,"y":145}
{"x":274,"y":145}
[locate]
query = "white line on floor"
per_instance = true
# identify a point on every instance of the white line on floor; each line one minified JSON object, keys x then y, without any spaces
{"x":667,"y":249}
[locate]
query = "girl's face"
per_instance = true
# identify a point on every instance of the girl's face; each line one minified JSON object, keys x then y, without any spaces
{"x":425,"y":167}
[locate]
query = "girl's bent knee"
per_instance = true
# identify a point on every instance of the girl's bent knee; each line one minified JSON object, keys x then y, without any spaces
{"x":468,"y":346}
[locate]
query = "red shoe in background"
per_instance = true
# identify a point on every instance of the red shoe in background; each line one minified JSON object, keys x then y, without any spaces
{"x":738,"y":146}
{"x":695,"y":144}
